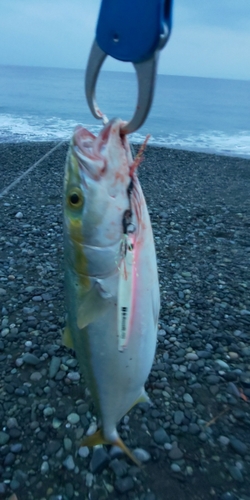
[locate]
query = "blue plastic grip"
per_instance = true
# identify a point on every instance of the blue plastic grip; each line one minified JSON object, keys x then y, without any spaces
{"x":129,"y":30}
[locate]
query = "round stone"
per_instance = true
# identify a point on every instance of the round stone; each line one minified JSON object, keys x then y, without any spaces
{"x":48,"y":411}
{"x":56,"y":423}
{"x":236,"y":473}
{"x":168,"y":446}
{"x":175,"y":468}
{"x":213,"y":379}
{"x":16,"y":447}
{"x":222,"y":364}
{"x":30,"y":359}
{"x":19,"y":362}
{"x":89,"y":479}
{"x":175,"y":453}
{"x":187,"y":398}
{"x":124,"y":484}
{"x":12,"y":423}
{"x":194,"y":428}
{"x":142,"y":455}
{"x":92,"y":429}
{"x":9,"y":459}
{"x":36,"y":376}
{"x":238,"y":446}
{"x":83,"y":452}
{"x":203,"y":436}
{"x":160,"y":436}
{"x":69,"y":463}
{"x":73,"y":418}
{"x":4,"y":438}
{"x":224,"y":440}
{"x":54,"y":366}
{"x":191,"y":356}
{"x":45,"y":467}
{"x":228,"y":496}
{"x":67,"y":443}
{"x":5,"y":332}
{"x":233,"y":355}
{"x":3,"y":488}
{"x":178,"y":417}
{"x":73,"y":376}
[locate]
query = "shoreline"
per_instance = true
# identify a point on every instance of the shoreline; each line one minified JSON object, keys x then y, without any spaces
{"x":17,"y":158}
{"x":134,"y":144}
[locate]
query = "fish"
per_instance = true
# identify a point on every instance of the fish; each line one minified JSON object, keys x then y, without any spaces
{"x":111,"y":278}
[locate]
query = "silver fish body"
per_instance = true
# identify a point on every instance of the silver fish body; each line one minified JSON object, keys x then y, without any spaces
{"x":100,"y":191}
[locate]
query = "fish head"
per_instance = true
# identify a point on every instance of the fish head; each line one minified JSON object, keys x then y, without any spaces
{"x":97,"y":177}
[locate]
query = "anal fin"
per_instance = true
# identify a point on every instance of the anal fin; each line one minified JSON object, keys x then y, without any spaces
{"x":143,"y":398}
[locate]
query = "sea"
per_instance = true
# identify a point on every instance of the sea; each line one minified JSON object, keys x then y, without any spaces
{"x":196,"y":114}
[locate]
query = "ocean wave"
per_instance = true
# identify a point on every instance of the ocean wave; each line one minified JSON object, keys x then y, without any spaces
{"x":213,"y":141}
{"x":33,"y":128}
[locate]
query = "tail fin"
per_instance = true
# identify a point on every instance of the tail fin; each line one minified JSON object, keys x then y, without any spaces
{"x":98,"y":438}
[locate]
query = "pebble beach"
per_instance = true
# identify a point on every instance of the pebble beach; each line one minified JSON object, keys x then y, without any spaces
{"x":194,"y":441}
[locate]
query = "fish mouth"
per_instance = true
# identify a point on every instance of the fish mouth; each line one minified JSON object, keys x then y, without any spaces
{"x":90,"y":149}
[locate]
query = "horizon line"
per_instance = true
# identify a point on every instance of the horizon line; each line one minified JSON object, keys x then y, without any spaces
{"x":125,"y":72}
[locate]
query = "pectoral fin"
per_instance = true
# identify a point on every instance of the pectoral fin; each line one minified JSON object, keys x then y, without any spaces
{"x":92,"y":305}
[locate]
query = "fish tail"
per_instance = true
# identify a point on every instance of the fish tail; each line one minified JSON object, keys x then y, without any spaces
{"x":98,"y":438}
{"x":127,"y":451}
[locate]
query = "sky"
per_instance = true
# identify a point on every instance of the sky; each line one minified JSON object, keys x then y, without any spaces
{"x":210,"y":38}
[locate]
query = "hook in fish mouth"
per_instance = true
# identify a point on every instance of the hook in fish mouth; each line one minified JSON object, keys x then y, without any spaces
{"x":90,"y":150}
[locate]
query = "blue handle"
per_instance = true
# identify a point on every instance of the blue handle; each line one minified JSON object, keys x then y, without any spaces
{"x":130,"y":30}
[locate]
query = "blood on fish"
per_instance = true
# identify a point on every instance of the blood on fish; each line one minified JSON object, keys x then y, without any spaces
{"x":119,"y":176}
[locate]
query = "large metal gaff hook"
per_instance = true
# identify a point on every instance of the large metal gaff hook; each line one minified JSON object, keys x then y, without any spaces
{"x":146,"y":74}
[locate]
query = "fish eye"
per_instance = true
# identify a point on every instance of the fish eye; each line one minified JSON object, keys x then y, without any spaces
{"x":75,"y":198}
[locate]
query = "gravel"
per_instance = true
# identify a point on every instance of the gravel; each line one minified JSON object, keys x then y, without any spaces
{"x":238,"y":446}
{"x":99,"y":461}
{"x":194,"y":439}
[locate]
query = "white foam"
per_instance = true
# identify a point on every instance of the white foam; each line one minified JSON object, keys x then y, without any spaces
{"x":210,"y":142}
{"x":34,"y":128}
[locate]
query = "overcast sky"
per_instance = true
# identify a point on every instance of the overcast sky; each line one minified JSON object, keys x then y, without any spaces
{"x":210,"y":38}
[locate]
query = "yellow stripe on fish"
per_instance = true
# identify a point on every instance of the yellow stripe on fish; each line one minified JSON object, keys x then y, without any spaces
{"x":73,"y":208}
